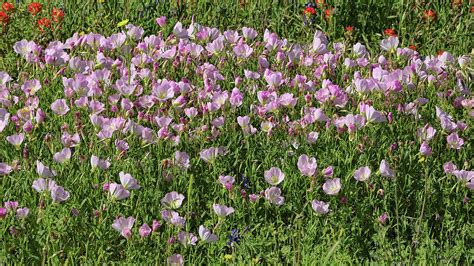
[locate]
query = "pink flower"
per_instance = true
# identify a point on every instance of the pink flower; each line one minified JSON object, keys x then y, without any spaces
{"x":175,"y":260}
{"x":58,"y":194}
{"x":274,"y":176}
{"x":3,"y":213}
{"x":161,"y":21}
{"x":118,"y":192}
{"x":128,"y":182}
{"x":383,"y":218}
{"x":206,"y":235}
{"x":124,"y":226}
{"x":144,"y":230}
{"x":328,"y":171}
{"x":155,"y":225}
{"x":182,"y":159}
{"x":5,"y":169}
{"x":385,"y":169}
{"x":222,"y":210}
{"x":273,"y":195}
{"x":4,"y":118}
{"x":454,"y":141}
{"x":320,"y":207}
{"x":16,"y":140}
{"x":101,"y":164}
{"x":43,"y":170}
{"x":332,"y":186}
{"x":186,"y":238}
{"x":362,"y":174}
{"x":306,"y":165}
{"x":172,"y":200}
{"x":425,"y":149}
{"x":173,"y":218}
{"x":426,"y":133}
{"x":21,"y":213}
{"x":227,"y":181}
{"x":62,"y":156}
{"x":389,"y":44}
{"x":449,"y":167}
{"x":60,"y":107}
{"x":42,"y":184}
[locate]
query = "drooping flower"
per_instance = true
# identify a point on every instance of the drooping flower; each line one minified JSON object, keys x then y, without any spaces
{"x":332,"y":186}
{"x":362,"y":174}
{"x":385,"y":169}
{"x":274,"y":176}
{"x":206,"y":235}
{"x":307,"y":165}
{"x":172,"y":200}
{"x":222,"y":210}
{"x":273,"y":195}
{"x":425,"y":149}
{"x":320,"y":207}
{"x":128,"y":182}
{"x":124,"y":226}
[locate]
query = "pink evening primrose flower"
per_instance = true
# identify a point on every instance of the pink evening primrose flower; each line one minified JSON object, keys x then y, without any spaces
{"x":320,"y":207}
{"x":332,"y":186}
{"x":124,"y":226}
{"x":307,"y":165}
{"x":274,"y":176}
{"x":222,"y":210}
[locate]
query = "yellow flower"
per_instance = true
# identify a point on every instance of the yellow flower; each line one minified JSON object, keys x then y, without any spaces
{"x":122,"y":23}
{"x":228,"y":256}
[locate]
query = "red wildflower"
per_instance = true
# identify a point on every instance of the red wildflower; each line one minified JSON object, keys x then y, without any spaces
{"x":4,"y":18}
{"x":472,"y":9}
{"x":310,"y":10}
{"x":440,"y":52}
{"x":413,"y":47}
{"x":429,"y":15}
{"x":34,"y":8}
{"x":390,"y":32}
{"x":57,"y":15}
{"x":327,"y":13}
{"x":44,"y":23}
{"x":8,"y":7}
{"x":349,"y":28}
